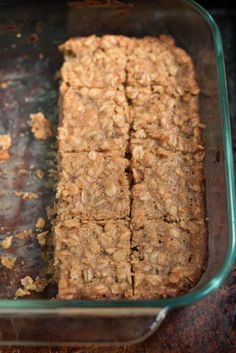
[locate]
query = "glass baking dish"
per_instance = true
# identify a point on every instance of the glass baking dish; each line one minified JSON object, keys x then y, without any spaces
{"x":29,"y":35}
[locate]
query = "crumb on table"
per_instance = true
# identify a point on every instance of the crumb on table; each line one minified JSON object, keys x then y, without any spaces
{"x":42,"y":238}
{"x":8,"y":261}
{"x":25,"y":234}
{"x":20,"y":292}
{"x":39,"y":174}
{"x":5,"y":144}
{"x":40,"y":126}
{"x":26,"y":195}
{"x":6,"y":243}
{"x":40,"y":223}
{"x":37,"y":285}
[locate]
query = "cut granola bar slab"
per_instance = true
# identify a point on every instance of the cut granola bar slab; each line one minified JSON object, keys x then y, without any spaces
{"x":167,"y":186}
{"x":93,"y":120}
{"x":92,"y":259}
{"x":137,"y":96}
{"x":167,"y":258}
{"x":93,"y":186}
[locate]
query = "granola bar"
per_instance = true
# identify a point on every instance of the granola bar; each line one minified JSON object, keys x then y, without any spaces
{"x":94,"y":120}
{"x":171,"y":123}
{"x":93,"y":186}
{"x":93,"y":259}
{"x":93,"y":63}
{"x":167,"y":185}
{"x":158,"y":63}
{"x":167,"y":258}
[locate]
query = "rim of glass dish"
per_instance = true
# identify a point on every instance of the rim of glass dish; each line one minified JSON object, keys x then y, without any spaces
{"x":214,"y":283}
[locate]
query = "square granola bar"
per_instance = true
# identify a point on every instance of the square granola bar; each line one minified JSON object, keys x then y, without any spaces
{"x":167,"y":258}
{"x":94,"y":62}
{"x":167,"y":185}
{"x":158,"y":62}
{"x":92,"y":259}
{"x":93,"y":120}
{"x":94,"y":186}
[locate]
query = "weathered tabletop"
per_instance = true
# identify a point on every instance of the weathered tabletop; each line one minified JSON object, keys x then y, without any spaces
{"x":209,"y":325}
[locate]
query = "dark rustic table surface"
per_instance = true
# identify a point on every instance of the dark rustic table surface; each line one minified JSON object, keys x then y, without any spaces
{"x":208,"y":326}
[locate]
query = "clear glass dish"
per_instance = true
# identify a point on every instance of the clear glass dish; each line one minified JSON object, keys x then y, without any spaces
{"x":29,"y":35}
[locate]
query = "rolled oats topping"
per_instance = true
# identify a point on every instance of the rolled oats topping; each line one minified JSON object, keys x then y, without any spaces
{"x":94,"y":119}
{"x":130,"y":213}
{"x":93,"y":259}
{"x":167,"y":260}
{"x":94,"y":189}
{"x":167,"y":186}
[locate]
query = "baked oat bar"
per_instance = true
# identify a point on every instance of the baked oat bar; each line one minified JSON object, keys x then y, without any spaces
{"x":93,"y":120}
{"x":158,"y":63}
{"x":171,"y":123}
{"x":168,"y":186}
{"x":93,"y":63}
{"x":167,"y":258}
{"x":93,"y":186}
{"x":92,"y":259}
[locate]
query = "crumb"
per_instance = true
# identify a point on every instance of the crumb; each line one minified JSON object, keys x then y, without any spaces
{"x":5,"y":144}
{"x":4,"y":85}
{"x":8,"y":261}
{"x":4,"y":155}
{"x":6,"y":243}
{"x":40,"y":126}
{"x":42,"y":237}
{"x":26,"y":195}
{"x":51,"y":212}
{"x":24,"y":234}
{"x":39,"y":174}
{"x":38,"y":285}
{"x":32,"y":166}
{"x":20,"y":292}
{"x":40,"y":223}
